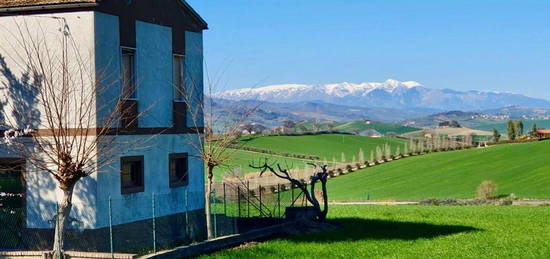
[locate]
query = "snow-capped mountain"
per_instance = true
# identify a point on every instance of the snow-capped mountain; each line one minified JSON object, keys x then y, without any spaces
{"x":389,"y":94}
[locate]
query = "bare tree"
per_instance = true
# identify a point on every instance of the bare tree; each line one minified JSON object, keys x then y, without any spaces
{"x":218,"y":133}
{"x":320,"y":176}
{"x":69,"y":133}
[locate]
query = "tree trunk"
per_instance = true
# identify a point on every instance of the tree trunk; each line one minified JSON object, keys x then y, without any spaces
{"x":207,"y":194}
{"x":62,"y":217}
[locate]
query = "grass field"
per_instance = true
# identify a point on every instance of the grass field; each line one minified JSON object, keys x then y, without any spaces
{"x":378,"y":126}
{"x":416,"y":232}
{"x":241,"y":160}
{"x":326,"y":146}
{"x":360,"y":125}
{"x":522,"y":169}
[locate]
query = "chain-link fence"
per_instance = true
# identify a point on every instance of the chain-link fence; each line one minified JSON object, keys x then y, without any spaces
{"x":238,"y":207}
{"x":137,"y":223}
{"x":142,"y":223}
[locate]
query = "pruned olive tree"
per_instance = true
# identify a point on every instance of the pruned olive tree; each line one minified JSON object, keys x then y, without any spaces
{"x":321,"y":175}
{"x":52,"y":118}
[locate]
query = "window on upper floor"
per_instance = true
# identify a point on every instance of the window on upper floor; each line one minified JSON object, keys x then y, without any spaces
{"x":179,"y":170}
{"x":128,"y":73}
{"x":131,"y":174}
{"x":179,"y":78}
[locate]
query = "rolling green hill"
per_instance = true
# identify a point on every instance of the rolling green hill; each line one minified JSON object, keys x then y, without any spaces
{"x":522,"y":169}
{"x":357,"y":126}
{"x":378,"y":126}
{"x":240,"y":160}
{"x":325,"y":146}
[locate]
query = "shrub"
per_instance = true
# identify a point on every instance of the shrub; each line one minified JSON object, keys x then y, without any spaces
{"x":487,"y":189}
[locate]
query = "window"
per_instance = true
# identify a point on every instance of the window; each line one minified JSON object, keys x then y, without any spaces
{"x":131,"y":174}
{"x":128,"y":73}
{"x":179,"y":78}
{"x":179,"y":170}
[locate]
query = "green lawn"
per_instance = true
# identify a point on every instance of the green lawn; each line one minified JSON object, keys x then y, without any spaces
{"x":416,"y":232}
{"x":326,"y":146}
{"x":522,"y":169}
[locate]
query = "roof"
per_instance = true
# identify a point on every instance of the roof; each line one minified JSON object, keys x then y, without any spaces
{"x":16,"y":4}
{"x":543,"y":131}
{"x":22,"y":3}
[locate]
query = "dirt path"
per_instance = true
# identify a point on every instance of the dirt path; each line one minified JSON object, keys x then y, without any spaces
{"x":517,"y":203}
{"x":376,"y":203}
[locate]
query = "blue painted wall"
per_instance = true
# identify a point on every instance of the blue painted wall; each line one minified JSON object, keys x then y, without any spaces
{"x":107,"y":57}
{"x":155,"y":95}
{"x":194,"y":75}
{"x":154,"y":74}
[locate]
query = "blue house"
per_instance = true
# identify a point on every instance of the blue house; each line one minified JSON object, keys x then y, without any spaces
{"x":153,"y":49}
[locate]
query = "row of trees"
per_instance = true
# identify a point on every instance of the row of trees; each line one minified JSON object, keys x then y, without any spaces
{"x":515,"y":130}
{"x":413,"y":147}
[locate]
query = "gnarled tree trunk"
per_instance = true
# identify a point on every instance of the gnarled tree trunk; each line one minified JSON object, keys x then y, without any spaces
{"x":207,"y":208}
{"x":61,"y":219}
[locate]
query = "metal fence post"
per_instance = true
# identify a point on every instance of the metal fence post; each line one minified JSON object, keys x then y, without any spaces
{"x":111,"y":227}
{"x":260,"y":193}
{"x":279,"y":198}
{"x":224,"y":201}
{"x":248,"y":198}
{"x":239,"y":201}
{"x":305,"y":198}
{"x":213,"y":201}
{"x":154,"y":225}
{"x":292,"y":194}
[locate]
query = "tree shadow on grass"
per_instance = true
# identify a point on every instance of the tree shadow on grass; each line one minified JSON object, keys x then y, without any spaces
{"x":354,"y":229}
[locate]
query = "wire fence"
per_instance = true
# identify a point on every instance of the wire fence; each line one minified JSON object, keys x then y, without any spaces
{"x":144,"y":223}
{"x":137,"y":223}
{"x":241,"y":207}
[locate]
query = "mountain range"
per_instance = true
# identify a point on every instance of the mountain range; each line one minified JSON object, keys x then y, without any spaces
{"x":391,"y":94}
{"x":273,"y":114}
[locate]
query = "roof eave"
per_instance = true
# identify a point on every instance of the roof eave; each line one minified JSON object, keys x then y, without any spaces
{"x":46,"y":7}
{"x":195,"y":14}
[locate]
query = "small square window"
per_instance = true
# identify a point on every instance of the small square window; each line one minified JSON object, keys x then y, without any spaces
{"x":128,"y":73}
{"x":179,"y":170}
{"x":131,"y":174}
{"x":179,"y":78}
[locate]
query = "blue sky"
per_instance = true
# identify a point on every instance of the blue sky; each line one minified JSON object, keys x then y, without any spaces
{"x":458,"y":44}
